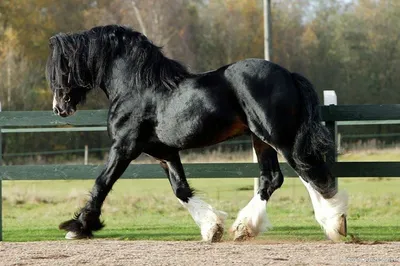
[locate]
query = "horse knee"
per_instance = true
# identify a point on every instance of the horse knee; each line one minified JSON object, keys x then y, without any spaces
{"x":269,"y":183}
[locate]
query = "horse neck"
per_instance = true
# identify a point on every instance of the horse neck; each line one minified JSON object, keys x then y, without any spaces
{"x":121,"y":79}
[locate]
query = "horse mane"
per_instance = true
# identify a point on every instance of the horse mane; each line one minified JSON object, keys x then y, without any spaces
{"x":82,"y":59}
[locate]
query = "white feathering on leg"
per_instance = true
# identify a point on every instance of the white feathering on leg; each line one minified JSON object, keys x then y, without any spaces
{"x":210,"y":220}
{"x":328,"y":212}
{"x":252,"y":219}
{"x":54,"y":101}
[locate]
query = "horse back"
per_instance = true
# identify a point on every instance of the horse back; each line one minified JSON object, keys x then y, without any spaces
{"x":250,"y":95}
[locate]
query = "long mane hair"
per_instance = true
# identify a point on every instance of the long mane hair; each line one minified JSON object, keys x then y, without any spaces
{"x":81,"y":60}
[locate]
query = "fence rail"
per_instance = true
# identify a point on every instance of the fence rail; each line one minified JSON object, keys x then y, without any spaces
{"x":192,"y":170}
{"x":95,"y":120}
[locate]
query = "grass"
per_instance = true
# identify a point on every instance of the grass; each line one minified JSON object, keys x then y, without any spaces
{"x":371,"y":155}
{"x":147,"y":209}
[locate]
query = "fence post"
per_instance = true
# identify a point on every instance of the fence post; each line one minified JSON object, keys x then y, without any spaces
{"x":330,"y":98}
{"x":267,"y":56}
{"x":86,"y":155}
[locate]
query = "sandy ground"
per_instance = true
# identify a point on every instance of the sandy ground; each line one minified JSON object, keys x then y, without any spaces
{"x":113,"y":252}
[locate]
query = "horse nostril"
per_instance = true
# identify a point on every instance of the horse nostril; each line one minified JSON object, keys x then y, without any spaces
{"x":56,"y":110}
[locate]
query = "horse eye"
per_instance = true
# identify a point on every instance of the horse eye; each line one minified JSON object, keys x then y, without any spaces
{"x":67,"y":98}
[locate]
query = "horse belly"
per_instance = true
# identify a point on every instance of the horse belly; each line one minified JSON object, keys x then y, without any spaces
{"x":201,"y":131}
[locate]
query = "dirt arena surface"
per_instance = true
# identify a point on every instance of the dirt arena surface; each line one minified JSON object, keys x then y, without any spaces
{"x":114,"y":252}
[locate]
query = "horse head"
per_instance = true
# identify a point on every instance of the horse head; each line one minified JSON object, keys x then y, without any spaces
{"x":81,"y":61}
{"x":67,"y":73}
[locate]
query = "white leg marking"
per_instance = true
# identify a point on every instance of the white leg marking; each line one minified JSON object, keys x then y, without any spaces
{"x":210,"y":220}
{"x":252,"y":219}
{"x":54,"y":101}
{"x":71,"y":235}
{"x":328,"y":212}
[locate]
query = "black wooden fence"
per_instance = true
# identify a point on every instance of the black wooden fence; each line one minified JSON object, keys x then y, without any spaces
{"x":44,"y":121}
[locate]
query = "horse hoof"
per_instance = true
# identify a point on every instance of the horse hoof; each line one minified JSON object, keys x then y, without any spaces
{"x":241,"y":233}
{"x":337,"y":229}
{"x":213,"y":234}
{"x":73,"y":235}
{"x":218,"y":233}
{"x":343,"y":225}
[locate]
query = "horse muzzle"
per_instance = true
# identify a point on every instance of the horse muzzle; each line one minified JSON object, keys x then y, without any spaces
{"x":63,"y":113}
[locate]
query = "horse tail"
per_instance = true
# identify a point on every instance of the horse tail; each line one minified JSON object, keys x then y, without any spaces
{"x":313,"y":140}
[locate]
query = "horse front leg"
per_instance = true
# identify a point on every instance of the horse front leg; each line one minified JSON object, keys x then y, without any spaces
{"x":87,"y":219}
{"x":210,"y":220}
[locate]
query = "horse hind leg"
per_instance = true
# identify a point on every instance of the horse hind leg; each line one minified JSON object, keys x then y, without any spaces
{"x":210,"y":221}
{"x":330,"y":211}
{"x":252,"y":219}
{"x":330,"y":205}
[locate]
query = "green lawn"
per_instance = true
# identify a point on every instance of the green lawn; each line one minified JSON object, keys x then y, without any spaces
{"x":147,"y":209}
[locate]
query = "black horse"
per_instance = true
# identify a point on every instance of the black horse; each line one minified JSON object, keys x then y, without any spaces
{"x":158,"y":107}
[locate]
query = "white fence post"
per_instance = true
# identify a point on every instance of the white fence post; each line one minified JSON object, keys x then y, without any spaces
{"x":330,"y":98}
